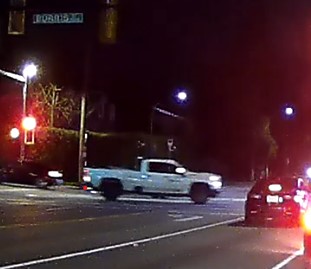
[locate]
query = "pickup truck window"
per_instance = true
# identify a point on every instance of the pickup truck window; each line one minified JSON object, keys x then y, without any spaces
{"x":162,"y":168}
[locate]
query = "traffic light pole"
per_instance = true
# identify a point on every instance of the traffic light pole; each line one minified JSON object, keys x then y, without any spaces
{"x":22,"y":141}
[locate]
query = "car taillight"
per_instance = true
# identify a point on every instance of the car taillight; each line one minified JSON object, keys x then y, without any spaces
{"x":288,"y":197}
{"x":255,"y":196}
{"x":306,"y":221}
{"x":86,"y":175}
{"x":298,"y":197}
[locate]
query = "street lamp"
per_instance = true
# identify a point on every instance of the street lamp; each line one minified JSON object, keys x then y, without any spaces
{"x":289,"y":111}
{"x":182,"y":96}
{"x":289,"y":114}
{"x":29,"y":71}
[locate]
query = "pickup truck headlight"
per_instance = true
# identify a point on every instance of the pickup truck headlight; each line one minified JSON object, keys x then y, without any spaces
{"x":214,"y":178}
{"x":216,"y":185}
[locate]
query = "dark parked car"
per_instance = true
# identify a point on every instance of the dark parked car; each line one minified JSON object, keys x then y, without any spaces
{"x":30,"y":173}
{"x":281,"y":199}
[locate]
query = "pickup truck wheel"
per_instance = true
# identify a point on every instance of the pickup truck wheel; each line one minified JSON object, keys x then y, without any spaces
{"x":110,"y":197}
{"x":111,"y":190}
{"x":199,"y":193}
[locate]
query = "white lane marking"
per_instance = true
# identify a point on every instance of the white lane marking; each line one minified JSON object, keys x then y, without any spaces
{"x":58,"y":208}
{"x":175,"y":215}
{"x":189,"y":219}
{"x":288,"y":259}
{"x":117,"y":246}
{"x":31,"y":195}
{"x":21,"y":186}
{"x":15,"y":190}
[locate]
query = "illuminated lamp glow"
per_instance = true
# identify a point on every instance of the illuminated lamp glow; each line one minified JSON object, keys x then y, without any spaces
{"x":55,"y":174}
{"x":182,"y":96}
{"x":289,"y":111}
{"x":29,"y":123}
{"x":275,"y":187}
{"x":214,"y":178}
{"x":14,"y":133}
{"x":306,"y":221}
{"x":180,"y":170}
{"x":30,"y":70}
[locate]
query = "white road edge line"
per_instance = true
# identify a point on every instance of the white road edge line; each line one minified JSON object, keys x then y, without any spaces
{"x":288,"y":259}
{"x":189,"y":218}
{"x":117,"y":246}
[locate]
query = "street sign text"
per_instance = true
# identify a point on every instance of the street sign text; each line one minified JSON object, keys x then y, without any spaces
{"x":58,"y":18}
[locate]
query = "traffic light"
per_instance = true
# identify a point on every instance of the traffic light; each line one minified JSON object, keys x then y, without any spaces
{"x":14,"y":133}
{"x":29,"y":125}
{"x":16,"y":23}
{"x":108,"y":19}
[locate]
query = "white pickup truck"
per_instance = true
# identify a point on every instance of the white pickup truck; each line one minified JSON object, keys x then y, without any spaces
{"x":155,"y":177}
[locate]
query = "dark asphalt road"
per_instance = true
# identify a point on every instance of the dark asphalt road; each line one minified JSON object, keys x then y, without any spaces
{"x":71,"y":229}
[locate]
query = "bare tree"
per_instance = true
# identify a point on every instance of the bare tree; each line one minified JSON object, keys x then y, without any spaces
{"x":51,"y":103}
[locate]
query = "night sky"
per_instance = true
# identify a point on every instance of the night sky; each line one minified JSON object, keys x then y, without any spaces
{"x":238,"y":59}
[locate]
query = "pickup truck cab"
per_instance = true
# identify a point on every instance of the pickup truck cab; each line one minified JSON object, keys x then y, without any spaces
{"x":155,"y":177}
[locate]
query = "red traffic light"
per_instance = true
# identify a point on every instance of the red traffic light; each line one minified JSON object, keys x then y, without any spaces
{"x":14,"y":133}
{"x":29,"y":123}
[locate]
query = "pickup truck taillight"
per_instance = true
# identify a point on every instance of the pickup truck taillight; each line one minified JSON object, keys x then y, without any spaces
{"x":86,"y":175}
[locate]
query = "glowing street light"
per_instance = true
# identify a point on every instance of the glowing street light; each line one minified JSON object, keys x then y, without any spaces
{"x":29,"y":71}
{"x":182,"y":96}
{"x":14,"y":133}
{"x":308,"y":172}
{"x":289,"y":111}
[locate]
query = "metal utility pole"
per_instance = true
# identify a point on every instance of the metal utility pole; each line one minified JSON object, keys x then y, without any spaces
{"x":82,"y":136}
{"x":24,"y":114}
{"x":82,"y":149}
